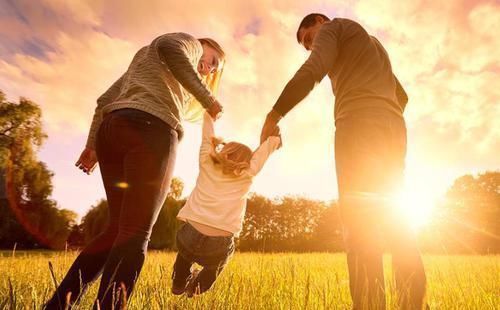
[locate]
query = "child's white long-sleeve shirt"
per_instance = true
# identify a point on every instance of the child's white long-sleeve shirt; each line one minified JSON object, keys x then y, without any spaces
{"x":219,"y":200}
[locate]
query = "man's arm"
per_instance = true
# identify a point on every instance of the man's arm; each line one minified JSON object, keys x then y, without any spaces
{"x":323,"y":54}
{"x":173,"y":51}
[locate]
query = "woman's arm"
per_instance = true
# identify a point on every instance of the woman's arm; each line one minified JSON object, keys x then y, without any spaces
{"x":109,"y":96}
{"x":174,"y":50}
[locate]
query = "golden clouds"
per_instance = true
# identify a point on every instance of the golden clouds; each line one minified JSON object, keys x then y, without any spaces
{"x":64,"y":54}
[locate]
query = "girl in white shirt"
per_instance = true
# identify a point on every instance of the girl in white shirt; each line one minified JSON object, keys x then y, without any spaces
{"x":214,"y":212}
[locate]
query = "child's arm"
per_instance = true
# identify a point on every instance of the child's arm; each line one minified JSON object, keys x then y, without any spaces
{"x":208,"y":134}
{"x":262,"y":153}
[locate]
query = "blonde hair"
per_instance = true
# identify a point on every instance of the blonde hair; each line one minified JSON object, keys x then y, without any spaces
{"x":212,"y":79}
{"x":213,"y":44}
{"x":194,"y":110}
{"x":233,"y":157}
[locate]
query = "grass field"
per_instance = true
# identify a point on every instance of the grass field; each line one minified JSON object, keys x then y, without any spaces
{"x":258,"y":281}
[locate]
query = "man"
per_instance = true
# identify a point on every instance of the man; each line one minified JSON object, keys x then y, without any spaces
{"x":370,"y":146}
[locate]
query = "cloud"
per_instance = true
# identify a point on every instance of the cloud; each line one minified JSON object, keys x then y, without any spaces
{"x":67,"y":82}
{"x":64,"y":54}
{"x":445,"y":53}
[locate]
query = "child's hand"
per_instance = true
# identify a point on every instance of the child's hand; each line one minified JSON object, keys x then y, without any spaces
{"x":215,"y":110}
{"x":277,"y":133}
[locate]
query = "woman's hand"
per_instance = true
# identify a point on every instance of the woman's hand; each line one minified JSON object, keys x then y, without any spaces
{"x":215,"y":109}
{"x":87,"y":161}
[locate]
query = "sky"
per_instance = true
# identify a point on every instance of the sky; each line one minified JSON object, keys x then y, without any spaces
{"x":64,"y":54}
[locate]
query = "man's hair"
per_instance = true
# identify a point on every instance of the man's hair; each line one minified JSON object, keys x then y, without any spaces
{"x":308,"y":21}
{"x":213,"y":44}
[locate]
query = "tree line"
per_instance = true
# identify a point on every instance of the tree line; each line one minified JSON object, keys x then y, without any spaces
{"x":467,"y":221}
{"x":28,"y":216}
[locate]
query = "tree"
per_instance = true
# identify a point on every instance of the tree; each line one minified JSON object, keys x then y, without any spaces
{"x":468,"y":219}
{"x":280,"y":225}
{"x":328,"y":233}
{"x":474,"y":209}
{"x":29,"y":217}
{"x":165,"y":229}
{"x":176,"y":189}
{"x":95,"y":221}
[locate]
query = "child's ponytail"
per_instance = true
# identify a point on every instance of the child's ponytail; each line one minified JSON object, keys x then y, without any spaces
{"x":233,"y":157}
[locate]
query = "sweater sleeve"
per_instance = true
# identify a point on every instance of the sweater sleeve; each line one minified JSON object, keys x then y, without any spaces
{"x":261,"y":155}
{"x":208,"y":133}
{"x":108,"y":97}
{"x":323,"y":55}
{"x":174,"y":50}
{"x":401,"y":94}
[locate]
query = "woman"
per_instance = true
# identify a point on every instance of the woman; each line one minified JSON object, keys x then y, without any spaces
{"x":134,"y":136}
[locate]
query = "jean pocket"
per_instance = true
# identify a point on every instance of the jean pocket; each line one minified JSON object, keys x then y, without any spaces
{"x":141,"y":121}
{"x":136,"y":117}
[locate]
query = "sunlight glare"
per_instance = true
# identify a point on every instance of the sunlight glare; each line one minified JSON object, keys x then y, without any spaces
{"x":417,"y":206}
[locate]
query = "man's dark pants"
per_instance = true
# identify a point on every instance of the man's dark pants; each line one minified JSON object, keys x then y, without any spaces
{"x":136,"y":153}
{"x":370,"y":149}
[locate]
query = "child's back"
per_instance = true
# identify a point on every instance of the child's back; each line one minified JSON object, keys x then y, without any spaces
{"x":215,"y":210}
{"x":219,"y":197}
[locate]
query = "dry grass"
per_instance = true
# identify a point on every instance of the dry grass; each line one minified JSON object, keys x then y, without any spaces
{"x":258,"y":281}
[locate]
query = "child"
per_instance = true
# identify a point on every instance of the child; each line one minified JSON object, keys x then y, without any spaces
{"x":214,"y":212}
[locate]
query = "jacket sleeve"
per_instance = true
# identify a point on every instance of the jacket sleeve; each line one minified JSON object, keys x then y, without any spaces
{"x":174,"y":49}
{"x":323,"y":54}
{"x":401,"y":94}
{"x":108,"y":97}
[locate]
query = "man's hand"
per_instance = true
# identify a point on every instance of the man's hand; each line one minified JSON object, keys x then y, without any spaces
{"x":215,"y":109}
{"x":270,"y":125}
{"x":277,"y":133}
{"x":87,"y":161}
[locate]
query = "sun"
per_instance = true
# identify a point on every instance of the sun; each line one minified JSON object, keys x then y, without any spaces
{"x":422,"y":191}
{"x":417,"y":206}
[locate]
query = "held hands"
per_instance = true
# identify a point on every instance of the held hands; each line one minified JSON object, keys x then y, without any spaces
{"x":87,"y":161}
{"x":270,"y":127}
{"x":215,"y":109}
{"x":277,"y":133}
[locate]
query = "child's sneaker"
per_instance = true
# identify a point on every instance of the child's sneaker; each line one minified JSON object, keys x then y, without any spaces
{"x":191,"y":287}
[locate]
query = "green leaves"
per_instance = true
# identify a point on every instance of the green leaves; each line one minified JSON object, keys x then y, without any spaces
{"x":29,"y":209}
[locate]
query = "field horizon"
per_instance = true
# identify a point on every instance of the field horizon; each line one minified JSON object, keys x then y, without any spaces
{"x":255,"y":280}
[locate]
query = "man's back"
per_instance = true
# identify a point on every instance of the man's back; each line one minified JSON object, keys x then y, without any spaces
{"x":361,"y":73}
{"x":359,"y":69}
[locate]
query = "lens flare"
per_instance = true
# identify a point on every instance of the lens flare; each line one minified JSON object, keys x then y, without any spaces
{"x":417,"y":206}
{"x":122,"y":185}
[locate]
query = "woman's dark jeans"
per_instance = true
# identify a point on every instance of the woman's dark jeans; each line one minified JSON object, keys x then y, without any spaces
{"x":136,"y":153}
{"x":212,"y":253}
